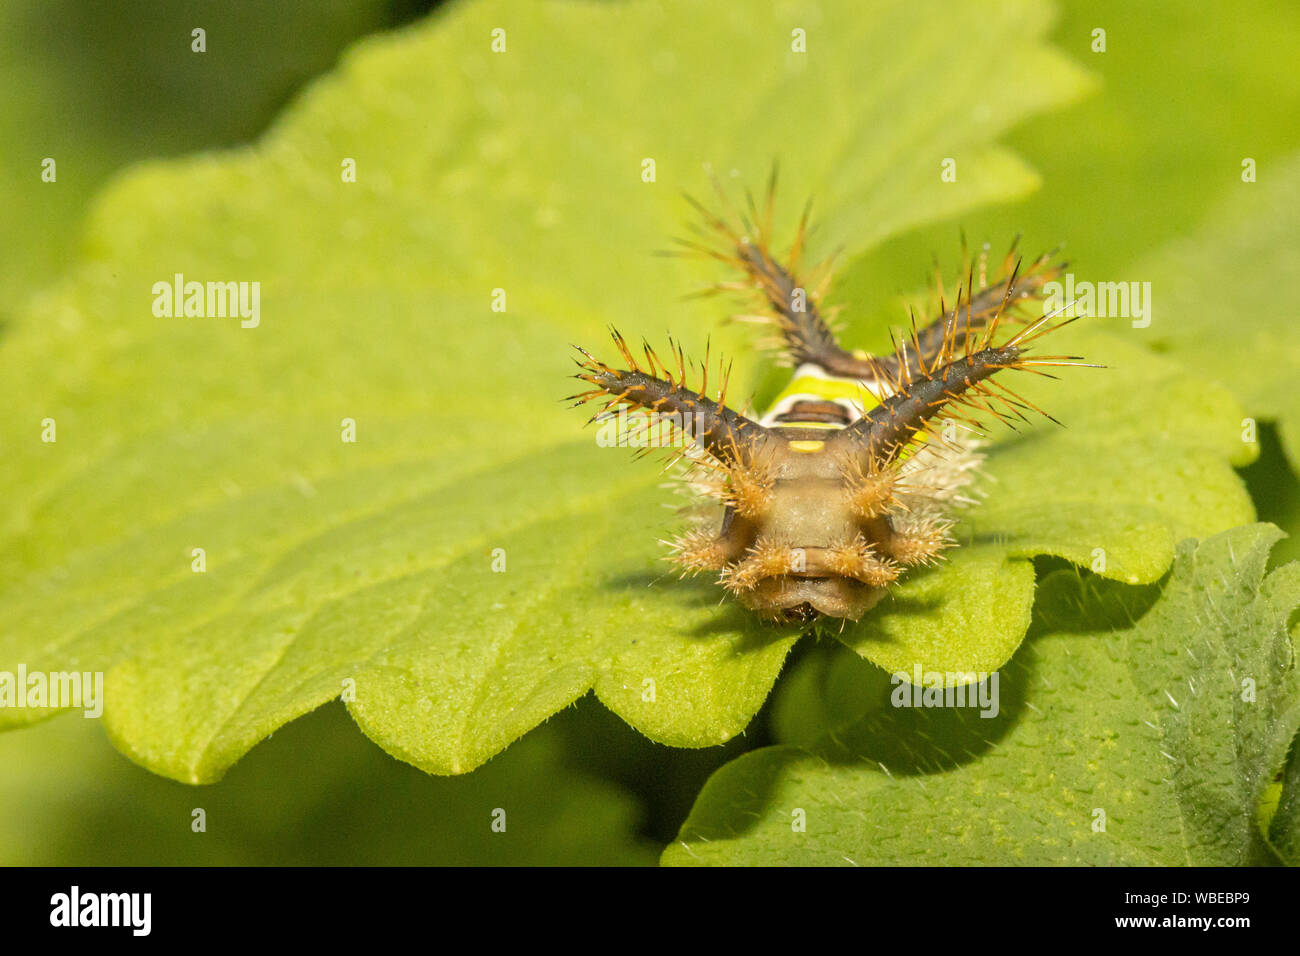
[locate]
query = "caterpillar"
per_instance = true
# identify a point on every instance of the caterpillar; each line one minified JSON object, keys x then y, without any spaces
{"x":852,"y":477}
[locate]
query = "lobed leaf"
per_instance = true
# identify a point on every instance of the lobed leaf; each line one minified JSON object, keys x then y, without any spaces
{"x":370,"y":565}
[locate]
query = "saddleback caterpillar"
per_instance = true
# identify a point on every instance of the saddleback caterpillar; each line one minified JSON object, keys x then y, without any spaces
{"x":852,"y":475}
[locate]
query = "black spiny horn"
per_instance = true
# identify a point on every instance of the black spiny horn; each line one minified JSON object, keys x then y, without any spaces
{"x":660,"y":387}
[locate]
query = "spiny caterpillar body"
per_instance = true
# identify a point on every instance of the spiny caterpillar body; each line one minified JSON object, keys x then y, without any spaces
{"x":848,"y":480}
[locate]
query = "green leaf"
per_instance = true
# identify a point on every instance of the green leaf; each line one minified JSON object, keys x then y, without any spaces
{"x":332,"y":565}
{"x":68,"y":799}
{"x":1173,"y":727}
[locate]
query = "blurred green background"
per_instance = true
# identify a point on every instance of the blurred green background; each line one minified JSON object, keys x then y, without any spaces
{"x":1186,"y":92}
